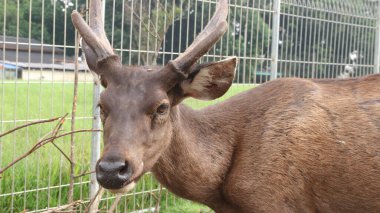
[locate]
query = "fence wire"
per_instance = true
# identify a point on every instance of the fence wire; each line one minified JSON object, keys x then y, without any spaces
{"x":312,"y":39}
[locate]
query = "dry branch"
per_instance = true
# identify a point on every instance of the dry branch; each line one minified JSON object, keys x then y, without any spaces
{"x":73,"y":112}
{"x":41,"y":143}
{"x":114,"y":204}
{"x":62,"y":152}
{"x":64,"y":207}
{"x":156,"y":210}
{"x":153,"y":34}
{"x":29,"y":124}
{"x":83,"y":174}
{"x":69,"y":133}
{"x":95,"y":200}
{"x":55,"y":132}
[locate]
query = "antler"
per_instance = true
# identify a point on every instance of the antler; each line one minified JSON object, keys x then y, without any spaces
{"x":214,"y":30}
{"x":96,"y":45}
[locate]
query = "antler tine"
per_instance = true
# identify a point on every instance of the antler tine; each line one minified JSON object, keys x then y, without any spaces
{"x":96,"y":45}
{"x":214,"y":30}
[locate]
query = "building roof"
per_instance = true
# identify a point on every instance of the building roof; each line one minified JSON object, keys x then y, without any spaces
{"x":8,"y":66}
{"x":33,"y":54}
{"x":26,"y":44}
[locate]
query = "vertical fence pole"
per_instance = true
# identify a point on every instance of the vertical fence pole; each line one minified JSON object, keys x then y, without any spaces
{"x":275,"y":37}
{"x":377,"y":41}
{"x":96,"y":136}
{"x":95,"y":139}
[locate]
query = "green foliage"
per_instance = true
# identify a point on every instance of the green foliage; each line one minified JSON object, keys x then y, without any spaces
{"x":248,"y":36}
{"x":141,"y":25}
{"x":144,"y":28}
{"x":38,"y":19}
{"x":326,"y":36}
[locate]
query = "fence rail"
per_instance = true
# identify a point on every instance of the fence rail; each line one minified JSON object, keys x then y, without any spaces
{"x":272,"y":39}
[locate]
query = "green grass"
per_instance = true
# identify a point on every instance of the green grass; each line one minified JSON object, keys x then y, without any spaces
{"x":47,"y":168}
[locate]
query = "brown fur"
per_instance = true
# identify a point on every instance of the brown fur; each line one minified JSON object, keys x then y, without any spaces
{"x":290,"y":145}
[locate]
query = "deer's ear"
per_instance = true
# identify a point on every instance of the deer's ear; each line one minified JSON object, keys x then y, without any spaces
{"x":209,"y":81}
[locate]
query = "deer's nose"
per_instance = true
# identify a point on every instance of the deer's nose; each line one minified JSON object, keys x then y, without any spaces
{"x":113,"y":173}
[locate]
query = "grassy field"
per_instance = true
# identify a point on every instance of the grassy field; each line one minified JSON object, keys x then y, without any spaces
{"x":47,"y":169}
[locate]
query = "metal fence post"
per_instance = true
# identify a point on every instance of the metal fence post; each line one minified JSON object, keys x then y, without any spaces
{"x":377,"y":41}
{"x":95,"y":139}
{"x":96,"y":136}
{"x":275,"y":37}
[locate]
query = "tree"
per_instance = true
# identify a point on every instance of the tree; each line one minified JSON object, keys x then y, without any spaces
{"x":326,"y":35}
{"x":141,"y":25}
{"x":49,"y":21}
{"x":155,"y":31}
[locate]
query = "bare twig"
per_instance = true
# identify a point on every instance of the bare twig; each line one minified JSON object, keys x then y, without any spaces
{"x":114,"y":204}
{"x":95,"y":200}
{"x":36,"y":146}
{"x":62,"y":152}
{"x":73,"y":112}
{"x":64,"y":207}
{"x":84,"y":174}
{"x":29,"y":124}
{"x":42,"y":143}
{"x":69,"y":133}
{"x":47,"y":134}
{"x":59,"y":124}
{"x":55,"y":132}
{"x":156,"y":210}
{"x":153,"y":195}
{"x":155,"y":35}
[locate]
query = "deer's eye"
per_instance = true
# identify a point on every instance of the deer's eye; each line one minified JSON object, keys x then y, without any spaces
{"x":162,"y":109}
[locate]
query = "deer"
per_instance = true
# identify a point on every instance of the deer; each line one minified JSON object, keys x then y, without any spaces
{"x":288,"y":145}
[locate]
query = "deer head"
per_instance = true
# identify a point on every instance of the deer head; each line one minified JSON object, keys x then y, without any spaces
{"x":137,"y":102}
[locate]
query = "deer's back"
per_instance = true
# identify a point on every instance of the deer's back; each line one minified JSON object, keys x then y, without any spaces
{"x":308,"y":145}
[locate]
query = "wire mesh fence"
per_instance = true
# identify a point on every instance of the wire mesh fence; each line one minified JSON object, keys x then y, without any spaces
{"x":271,"y":38}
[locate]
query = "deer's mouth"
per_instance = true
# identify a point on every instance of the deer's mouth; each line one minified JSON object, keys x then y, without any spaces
{"x":127,"y":186}
{"x":125,"y":189}
{"x":134,"y":180}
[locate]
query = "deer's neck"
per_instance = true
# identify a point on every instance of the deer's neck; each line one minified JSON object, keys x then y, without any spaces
{"x":199,"y":157}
